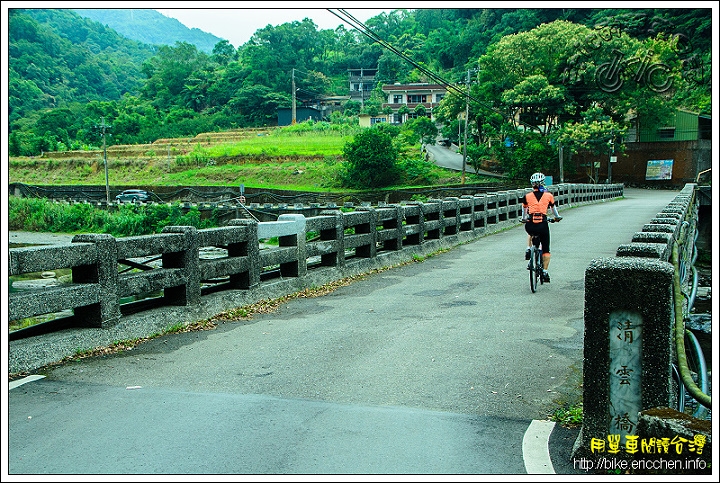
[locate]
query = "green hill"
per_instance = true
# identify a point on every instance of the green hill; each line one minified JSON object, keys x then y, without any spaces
{"x":150,"y":27}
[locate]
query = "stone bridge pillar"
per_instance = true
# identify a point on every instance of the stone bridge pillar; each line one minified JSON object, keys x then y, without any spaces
{"x":628,"y":349}
{"x":105,"y":273}
{"x":189,"y":261}
{"x":249,"y":249}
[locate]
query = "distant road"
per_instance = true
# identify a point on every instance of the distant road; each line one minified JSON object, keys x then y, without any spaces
{"x":447,"y":158}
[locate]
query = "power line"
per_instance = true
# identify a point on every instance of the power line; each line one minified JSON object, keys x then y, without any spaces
{"x":376,"y":38}
{"x":365,"y":30}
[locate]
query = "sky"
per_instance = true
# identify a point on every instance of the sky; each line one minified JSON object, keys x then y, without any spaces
{"x":237,"y":24}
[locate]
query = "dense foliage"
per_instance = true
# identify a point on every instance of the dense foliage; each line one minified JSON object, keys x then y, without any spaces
{"x":39,"y":214}
{"x":372,"y":160}
{"x":531,"y":67}
{"x":150,"y":27}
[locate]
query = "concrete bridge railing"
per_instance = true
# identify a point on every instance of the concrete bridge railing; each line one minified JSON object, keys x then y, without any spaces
{"x":347,"y":242}
{"x":630,"y":346}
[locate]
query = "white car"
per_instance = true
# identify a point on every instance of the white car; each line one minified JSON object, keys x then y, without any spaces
{"x":133,"y":196}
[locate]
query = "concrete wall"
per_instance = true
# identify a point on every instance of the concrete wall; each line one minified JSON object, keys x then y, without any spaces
{"x":689,"y":159}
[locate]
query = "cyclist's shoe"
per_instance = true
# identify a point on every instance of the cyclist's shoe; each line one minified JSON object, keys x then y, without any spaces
{"x":545,"y":277}
{"x":527,"y":254}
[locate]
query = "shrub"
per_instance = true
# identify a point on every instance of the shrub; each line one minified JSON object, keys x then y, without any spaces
{"x":417,"y":171}
{"x":36,"y":214}
{"x":371,"y":161}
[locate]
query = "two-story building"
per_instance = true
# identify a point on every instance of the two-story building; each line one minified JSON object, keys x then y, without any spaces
{"x":411,"y":96}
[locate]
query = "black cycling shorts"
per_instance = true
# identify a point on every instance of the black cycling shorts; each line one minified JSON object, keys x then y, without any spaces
{"x":542,"y":230}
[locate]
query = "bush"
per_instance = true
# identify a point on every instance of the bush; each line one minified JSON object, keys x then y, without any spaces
{"x":36,"y":214}
{"x":371,"y":161}
{"x":418,"y":171}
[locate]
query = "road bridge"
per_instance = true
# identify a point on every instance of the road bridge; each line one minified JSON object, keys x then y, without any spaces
{"x":447,"y":366}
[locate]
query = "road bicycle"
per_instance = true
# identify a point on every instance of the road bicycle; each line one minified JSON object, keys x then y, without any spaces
{"x":535,"y":264}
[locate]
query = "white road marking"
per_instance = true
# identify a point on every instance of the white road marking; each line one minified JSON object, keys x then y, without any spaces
{"x":535,"y":448}
{"x":20,"y":382}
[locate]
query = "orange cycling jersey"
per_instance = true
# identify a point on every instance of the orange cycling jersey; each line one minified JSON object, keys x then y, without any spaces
{"x":537,"y":207}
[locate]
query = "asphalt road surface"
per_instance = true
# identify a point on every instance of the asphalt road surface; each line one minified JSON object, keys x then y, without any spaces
{"x":449,"y":159}
{"x":445,"y":367}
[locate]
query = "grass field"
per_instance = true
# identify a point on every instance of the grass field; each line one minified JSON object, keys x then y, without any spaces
{"x":273,"y":159}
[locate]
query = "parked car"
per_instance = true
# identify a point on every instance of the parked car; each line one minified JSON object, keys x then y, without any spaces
{"x":133,"y":196}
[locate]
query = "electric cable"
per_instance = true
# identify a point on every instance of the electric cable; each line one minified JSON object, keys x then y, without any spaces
{"x":362,"y":28}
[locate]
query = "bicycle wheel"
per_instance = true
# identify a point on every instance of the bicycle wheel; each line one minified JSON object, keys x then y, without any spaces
{"x":533,"y":269}
{"x":538,"y":266}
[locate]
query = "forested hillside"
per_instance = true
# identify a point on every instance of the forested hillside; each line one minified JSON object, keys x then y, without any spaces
{"x":57,"y":58}
{"x":67,"y":73}
{"x":150,"y":27}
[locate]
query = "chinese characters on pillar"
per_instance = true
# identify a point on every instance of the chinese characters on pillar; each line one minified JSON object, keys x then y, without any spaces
{"x":625,"y":391}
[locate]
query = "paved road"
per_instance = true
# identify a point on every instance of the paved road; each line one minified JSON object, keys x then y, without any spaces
{"x":447,"y":158}
{"x":443,"y":367}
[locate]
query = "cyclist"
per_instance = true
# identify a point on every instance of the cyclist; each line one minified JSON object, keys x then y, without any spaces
{"x":534,"y":215}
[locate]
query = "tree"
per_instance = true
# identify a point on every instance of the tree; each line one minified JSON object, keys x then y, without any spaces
{"x":170,"y":71}
{"x":352,"y":108}
{"x":257,"y":105}
{"x":421,"y":129}
{"x":371,"y":161}
{"x":525,"y":153}
{"x":224,"y":52}
{"x":403,"y":111}
{"x":540,"y":104}
{"x":477,"y":155}
{"x":596,"y":134}
{"x":552,"y":75}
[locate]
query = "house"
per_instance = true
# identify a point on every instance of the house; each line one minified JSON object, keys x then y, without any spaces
{"x":411,"y":96}
{"x":366,"y":120}
{"x":362,"y":82}
{"x":317,"y":108}
{"x":688,"y":126}
{"x":302,"y":113}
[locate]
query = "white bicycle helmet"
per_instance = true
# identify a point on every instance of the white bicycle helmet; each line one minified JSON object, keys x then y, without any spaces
{"x":537,"y":179}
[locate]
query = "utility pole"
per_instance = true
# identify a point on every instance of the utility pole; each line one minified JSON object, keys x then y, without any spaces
{"x":560,"y":155}
{"x":294,"y":97}
{"x":467,"y":114}
{"x":103,"y":127}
